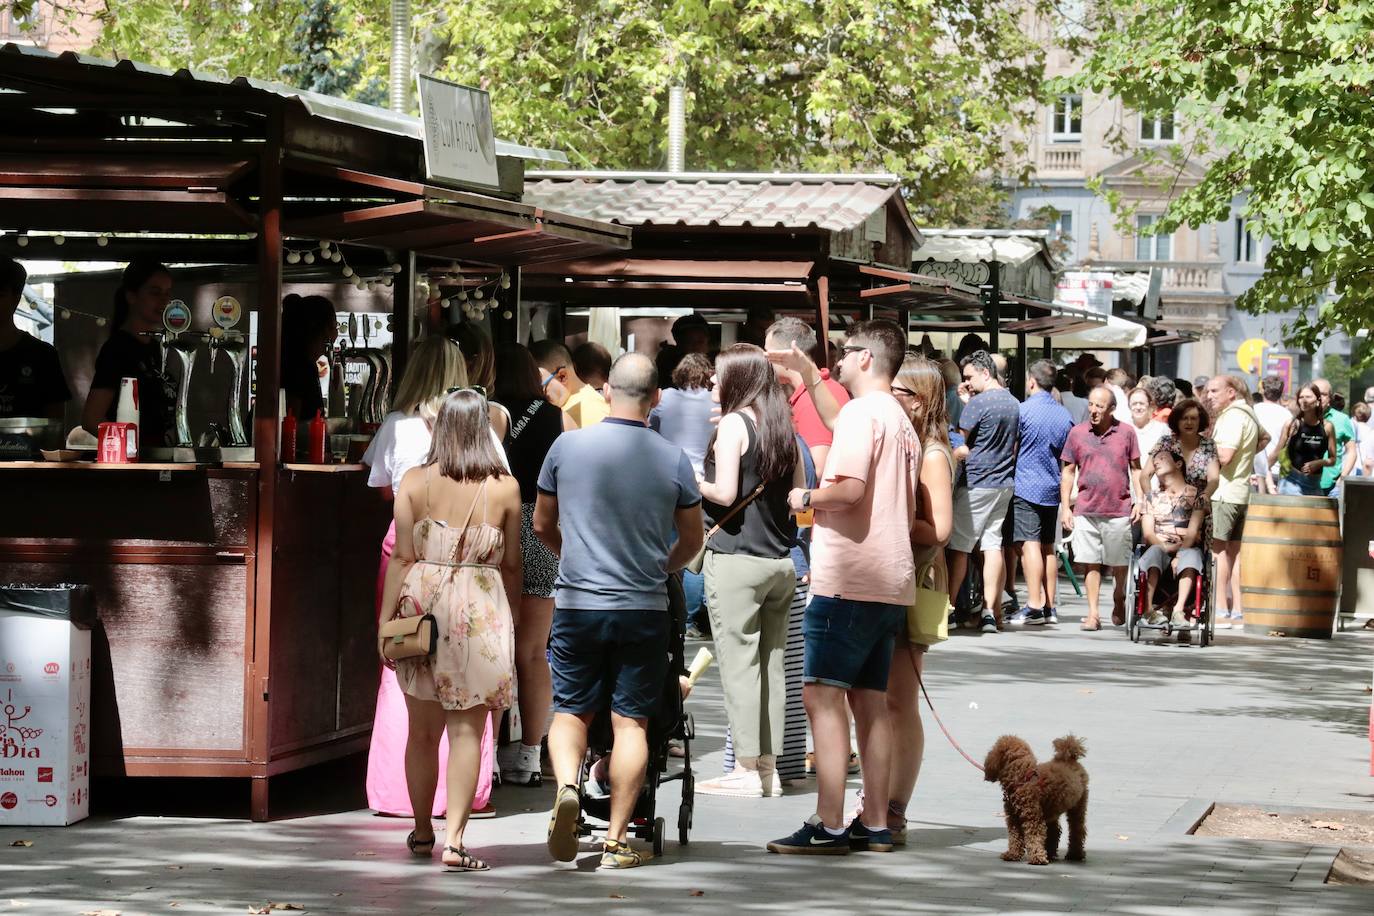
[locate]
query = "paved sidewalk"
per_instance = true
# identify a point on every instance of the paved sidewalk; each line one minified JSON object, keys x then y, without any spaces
{"x":1169,"y":730}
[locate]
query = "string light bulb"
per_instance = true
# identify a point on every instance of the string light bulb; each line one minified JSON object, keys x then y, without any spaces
{"x":308,"y":257}
{"x":102,"y":240}
{"x":293,"y":257}
{"x":23,"y":241}
{"x":505,"y":280}
{"x":59,"y":240}
{"x":507,"y":315}
{"x":347,"y":271}
{"x":478,"y":294}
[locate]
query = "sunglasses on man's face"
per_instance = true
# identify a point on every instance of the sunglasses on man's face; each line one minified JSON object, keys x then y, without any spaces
{"x":851,"y":348}
{"x":477,"y":388}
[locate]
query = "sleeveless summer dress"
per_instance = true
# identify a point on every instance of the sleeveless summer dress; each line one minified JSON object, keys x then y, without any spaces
{"x":457,"y":578}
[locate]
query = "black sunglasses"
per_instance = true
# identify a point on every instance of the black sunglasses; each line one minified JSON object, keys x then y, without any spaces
{"x":898,"y":389}
{"x":477,"y":388}
{"x":851,"y":348}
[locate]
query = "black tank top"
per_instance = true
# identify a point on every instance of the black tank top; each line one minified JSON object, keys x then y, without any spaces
{"x":534,"y":425}
{"x":1308,"y":443}
{"x":765,"y":527}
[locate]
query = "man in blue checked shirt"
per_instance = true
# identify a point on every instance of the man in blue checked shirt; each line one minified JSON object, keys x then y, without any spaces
{"x":1044,"y":425}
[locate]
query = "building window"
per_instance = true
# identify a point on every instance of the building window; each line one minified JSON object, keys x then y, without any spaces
{"x":1066,"y":121}
{"x":1063,"y":225}
{"x":20,"y":27}
{"x":1247,"y":246}
{"x":1151,"y":247}
{"x":1156,"y":130}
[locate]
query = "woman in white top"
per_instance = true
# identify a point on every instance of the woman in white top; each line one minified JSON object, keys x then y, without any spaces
{"x":403,"y":442}
{"x":1148,"y":430}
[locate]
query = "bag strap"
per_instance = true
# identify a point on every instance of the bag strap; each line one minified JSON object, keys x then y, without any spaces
{"x":516,"y":429}
{"x":735,"y":510}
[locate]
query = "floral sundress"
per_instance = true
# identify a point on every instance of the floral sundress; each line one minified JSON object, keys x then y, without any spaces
{"x":457,"y":578}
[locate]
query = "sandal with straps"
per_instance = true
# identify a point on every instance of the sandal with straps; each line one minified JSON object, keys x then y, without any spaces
{"x":466,"y":860}
{"x":420,"y":847}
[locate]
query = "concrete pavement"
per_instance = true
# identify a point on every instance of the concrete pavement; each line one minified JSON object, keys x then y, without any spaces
{"x":1169,"y":730}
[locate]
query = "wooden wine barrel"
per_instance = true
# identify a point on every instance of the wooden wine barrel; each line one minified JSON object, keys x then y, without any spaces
{"x":1290,"y":565}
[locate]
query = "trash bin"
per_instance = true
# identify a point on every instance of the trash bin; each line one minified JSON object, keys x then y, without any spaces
{"x":45,"y":700}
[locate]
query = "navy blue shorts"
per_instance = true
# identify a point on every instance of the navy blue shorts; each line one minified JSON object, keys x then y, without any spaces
{"x":615,"y":657}
{"x":849,"y":643}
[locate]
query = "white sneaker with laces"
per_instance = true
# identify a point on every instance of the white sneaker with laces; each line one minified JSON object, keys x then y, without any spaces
{"x":739,"y":784}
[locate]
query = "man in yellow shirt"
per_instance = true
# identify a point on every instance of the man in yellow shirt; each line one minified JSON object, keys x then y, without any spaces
{"x":1239,"y":437}
{"x":574,"y":381}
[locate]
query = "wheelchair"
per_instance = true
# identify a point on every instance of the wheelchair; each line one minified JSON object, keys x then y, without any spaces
{"x":1199,"y":613}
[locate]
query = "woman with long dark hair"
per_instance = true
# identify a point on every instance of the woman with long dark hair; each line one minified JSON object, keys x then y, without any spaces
{"x":309,"y":327}
{"x":132,"y":352}
{"x":457,"y":557}
{"x":535,"y":425}
{"x":752,"y":463}
{"x":1309,"y":441}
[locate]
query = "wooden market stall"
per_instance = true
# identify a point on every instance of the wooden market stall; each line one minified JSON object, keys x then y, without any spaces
{"x":236,"y":597}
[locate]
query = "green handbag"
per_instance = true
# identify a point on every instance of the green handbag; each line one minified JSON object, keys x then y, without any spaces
{"x":927,"y":618}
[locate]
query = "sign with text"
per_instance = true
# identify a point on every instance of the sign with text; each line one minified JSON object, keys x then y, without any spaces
{"x":1090,"y":289}
{"x":460,"y":143}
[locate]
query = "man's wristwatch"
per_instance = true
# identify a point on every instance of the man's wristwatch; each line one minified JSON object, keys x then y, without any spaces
{"x":806,"y":499}
{"x":819,"y":378}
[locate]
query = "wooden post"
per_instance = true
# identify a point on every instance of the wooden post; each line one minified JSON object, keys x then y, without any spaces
{"x":823,"y":308}
{"x":266,"y":432}
{"x":1049,"y":349}
{"x":1018,"y":372}
{"x":402,"y":317}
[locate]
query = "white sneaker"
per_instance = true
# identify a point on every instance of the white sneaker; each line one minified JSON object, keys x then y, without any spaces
{"x":1180,"y":619}
{"x":1156,"y":618}
{"x":739,"y":784}
{"x":519,"y":764}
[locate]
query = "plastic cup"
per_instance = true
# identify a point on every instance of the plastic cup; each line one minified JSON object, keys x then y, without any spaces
{"x":806,"y":517}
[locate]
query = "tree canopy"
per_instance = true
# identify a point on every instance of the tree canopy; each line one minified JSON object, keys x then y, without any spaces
{"x":927,"y":89}
{"x":1278,"y":96}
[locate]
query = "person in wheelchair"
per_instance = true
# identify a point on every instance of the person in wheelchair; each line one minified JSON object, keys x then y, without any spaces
{"x":1172,"y":524}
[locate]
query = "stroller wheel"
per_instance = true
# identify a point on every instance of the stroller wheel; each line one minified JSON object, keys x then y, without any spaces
{"x":658,"y":836}
{"x":684,"y":823}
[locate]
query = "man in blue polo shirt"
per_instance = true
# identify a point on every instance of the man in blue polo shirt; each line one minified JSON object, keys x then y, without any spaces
{"x":619,"y":505}
{"x":1044,"y":425}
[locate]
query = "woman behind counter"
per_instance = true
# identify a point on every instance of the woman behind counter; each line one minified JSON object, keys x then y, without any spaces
{"x":139,"y":302}
{"x":308,"y":328}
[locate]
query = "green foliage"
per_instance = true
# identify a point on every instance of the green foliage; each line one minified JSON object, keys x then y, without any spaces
{"x":1336,"y":370}
{"x":927,"y":89}
{"x":318,"y":64}
{"x":1278,"y":99}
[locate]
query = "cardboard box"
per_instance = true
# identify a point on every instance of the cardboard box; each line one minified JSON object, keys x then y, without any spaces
{"x":45,"y":721}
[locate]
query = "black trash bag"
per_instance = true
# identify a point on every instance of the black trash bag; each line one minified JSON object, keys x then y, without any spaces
{"x":58,"y":601}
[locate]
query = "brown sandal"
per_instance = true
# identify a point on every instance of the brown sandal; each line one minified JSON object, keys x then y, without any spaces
{"x":423,"y":848}
{"x":466,"y":860}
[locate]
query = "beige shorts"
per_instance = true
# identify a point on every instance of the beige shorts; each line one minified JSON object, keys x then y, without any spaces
{"x":1228,"y":521}
{"x":1102,"y":541}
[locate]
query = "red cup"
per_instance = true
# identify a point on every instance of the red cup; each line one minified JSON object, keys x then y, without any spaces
{"x":118,"y":443}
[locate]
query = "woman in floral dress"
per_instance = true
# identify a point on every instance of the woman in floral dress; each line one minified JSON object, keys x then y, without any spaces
{"x":457,"y":556}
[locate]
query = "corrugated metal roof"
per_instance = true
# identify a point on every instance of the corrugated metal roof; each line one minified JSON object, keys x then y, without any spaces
{"x":837,"y":203}
{"x":318,"y":105}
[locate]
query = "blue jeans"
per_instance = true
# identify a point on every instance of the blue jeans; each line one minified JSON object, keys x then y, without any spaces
{"x":1295,"y":484}
{"x":694,"y":585}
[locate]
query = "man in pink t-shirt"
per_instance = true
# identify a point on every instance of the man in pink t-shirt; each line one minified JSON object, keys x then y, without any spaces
{"x":784,"y":334}
{"x":862,"y":581}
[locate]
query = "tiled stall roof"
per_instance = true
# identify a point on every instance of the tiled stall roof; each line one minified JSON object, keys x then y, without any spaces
{"x":836,"y":203}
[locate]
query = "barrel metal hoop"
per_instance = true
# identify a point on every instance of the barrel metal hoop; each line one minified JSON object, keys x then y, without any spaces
{"x":1291,"y":542}
{"x":1271,"y":520}
{"x":1298,"y":592}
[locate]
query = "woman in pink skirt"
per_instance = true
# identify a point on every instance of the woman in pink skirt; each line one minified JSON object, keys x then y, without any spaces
{"x":403,"y":442}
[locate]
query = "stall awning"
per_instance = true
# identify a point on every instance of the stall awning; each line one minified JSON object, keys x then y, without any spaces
{"x":466,"y":227}
{"x":1116,"y":334}
{"x":671,"y":282}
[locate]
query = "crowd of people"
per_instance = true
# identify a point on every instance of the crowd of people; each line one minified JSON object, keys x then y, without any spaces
{"x":551,"y":503}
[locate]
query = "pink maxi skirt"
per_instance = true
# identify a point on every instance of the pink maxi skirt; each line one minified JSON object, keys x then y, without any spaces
{"x":386,"y":759}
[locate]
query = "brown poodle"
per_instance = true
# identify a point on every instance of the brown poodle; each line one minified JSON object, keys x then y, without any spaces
{"x":1034,"y":797}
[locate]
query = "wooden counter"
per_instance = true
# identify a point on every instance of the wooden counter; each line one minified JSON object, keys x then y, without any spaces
{"x":202,"y":668}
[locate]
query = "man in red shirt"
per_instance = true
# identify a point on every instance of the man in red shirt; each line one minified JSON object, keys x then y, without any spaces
{"x":782,"y":335}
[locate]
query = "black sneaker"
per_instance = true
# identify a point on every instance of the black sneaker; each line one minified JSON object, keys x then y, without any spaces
{"x":863,"y":838}
{"x":989,"y":624}
{"x":814,"y":840}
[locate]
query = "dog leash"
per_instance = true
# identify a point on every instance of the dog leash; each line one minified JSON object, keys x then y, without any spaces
{"x":955,"y":744}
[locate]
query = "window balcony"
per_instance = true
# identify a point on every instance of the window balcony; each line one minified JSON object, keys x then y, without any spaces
{"x":1179,"y":276}
{"x":1061,"y":159}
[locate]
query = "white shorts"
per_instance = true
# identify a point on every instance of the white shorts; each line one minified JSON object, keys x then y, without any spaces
{"x":1102,"y":541}
{"x":978,"y":518}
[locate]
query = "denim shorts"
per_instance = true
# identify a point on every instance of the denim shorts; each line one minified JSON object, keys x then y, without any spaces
{"x":615,"y":658}
{"x":849,"y":643}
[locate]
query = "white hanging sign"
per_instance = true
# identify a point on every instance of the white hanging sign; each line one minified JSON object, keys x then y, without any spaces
{"x":460,"y":143}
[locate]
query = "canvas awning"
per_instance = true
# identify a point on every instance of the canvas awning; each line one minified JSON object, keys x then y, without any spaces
{"x":1116,"y":334}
